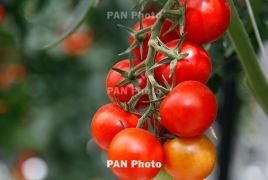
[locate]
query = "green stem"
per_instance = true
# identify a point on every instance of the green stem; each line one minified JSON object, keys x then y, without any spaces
{"x":256,"y":81}
{"x":149,"y":61}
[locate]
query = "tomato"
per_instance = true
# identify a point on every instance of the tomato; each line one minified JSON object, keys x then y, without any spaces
{"x":189,"y":109}
{"x":206,"y":20}
{"x":78,"y":42}
{"x":13,"y":73}
{"x":134,"y":146}
{"x":189,"y":158}
{"x":2,"y":13}
{"x":149,"y":21}
{"x":106,"y":124}
{"x":196,"y":66}
{"x":125,"y":92}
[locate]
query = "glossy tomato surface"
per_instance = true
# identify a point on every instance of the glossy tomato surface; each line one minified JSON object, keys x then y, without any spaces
{"x":106,"y":124}
{"x":196,"y":66}
{"x":189,"y":158}
{"x":125,"y":92}
{"x":206,"y":20}
{"x":149,"y":21}
{"x":189,"y":109}
{"x":131,"y":145}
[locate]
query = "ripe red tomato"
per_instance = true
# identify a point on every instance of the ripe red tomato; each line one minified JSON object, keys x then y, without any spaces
{"x":206,"y":20}
{"x":78,"y":42}
{"x":134,"y":146}
{"x":149,"y":21}
{"x":125,"y":92}
{"x":2,"y":13}
{"x":189,"y":158}
{"x":106,"y":124}
{"x":196,"y":66}
{"x":189,"y":109}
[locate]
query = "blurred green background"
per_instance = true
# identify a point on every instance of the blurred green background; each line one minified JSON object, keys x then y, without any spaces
{"x":48,"y":97}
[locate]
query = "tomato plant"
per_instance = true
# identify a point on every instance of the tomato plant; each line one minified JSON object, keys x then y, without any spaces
{"x":196,"y":66}
{"x":147,"y":22}
{"x":206,"y":20}
{"x":135,"y":146}
{"x":189,"y":158}
{"x":125,"y":92}
{"x":189,"y":109}
{"x":106,"y":124}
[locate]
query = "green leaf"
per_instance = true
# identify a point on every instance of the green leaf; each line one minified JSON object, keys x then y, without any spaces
{"x":81,"y":12}
{"x":248,"y":58}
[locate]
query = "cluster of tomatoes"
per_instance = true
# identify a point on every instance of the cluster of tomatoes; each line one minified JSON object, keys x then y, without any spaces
{"x":184,"y":113}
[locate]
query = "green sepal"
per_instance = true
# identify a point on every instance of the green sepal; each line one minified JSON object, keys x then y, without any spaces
{"x":130,"y":48}
{"x":138,"y":72}
{"x":127,"y":29}
{"x":163,"y":61}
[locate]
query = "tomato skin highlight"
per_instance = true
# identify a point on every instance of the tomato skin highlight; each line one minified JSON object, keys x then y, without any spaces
{"x":196,"y":66}
{"x":106,"y":124}
{"x":147,"y":22}
{"x":135,"y":144}
{"x":206,"y":20}
{"x":191,"y":158}
{"x":125,"y":92}
{"x":189,"y":109}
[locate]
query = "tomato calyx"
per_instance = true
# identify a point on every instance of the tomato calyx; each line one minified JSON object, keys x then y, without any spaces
{"x":179,"y":14}
{"x":173,"y":56}
{"x":139,"y":38}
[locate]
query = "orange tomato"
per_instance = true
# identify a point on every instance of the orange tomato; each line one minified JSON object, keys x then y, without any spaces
{"x":191,"y":158}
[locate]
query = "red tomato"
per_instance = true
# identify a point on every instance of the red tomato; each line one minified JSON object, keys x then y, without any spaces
{"x":78,"y":42}
{"x":2,"y":13}
{"x":14,"y":73}
{"x":189,"y":158}
{"x":189,"y":109}
{"x":196,"y":66}
{"x":125,"y":92}
{"x":206,"y":20}
{"x":131,"y":146}
{"x":149,"y":21}
{"x":106,"y":124}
